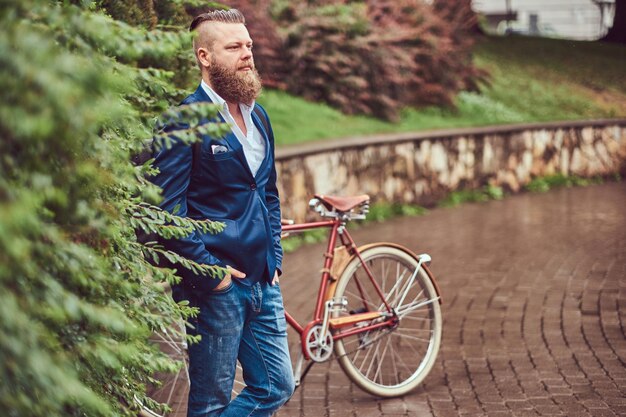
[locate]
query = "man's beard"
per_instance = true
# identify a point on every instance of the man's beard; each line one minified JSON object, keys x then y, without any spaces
{"x":234,"y":86}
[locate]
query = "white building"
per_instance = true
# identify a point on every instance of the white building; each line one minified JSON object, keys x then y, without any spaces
{"x":572,"y":19}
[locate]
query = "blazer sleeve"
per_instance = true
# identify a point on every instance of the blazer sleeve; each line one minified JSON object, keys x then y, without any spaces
{"x":273,"y":201}
{"x":174,"y":166}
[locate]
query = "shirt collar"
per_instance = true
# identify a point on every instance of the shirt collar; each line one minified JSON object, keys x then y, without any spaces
{"x":215,"y":98}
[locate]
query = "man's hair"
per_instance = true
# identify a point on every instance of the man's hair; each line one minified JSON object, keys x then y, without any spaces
{"x":222,"y":16}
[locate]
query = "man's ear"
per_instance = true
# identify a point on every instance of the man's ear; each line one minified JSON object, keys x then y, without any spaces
{"x":204,"y":56}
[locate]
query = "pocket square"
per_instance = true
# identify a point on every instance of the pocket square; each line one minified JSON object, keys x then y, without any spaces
{"x":215,"y":149}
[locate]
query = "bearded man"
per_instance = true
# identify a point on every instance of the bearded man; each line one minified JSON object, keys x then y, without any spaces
{"x":240,"y":317}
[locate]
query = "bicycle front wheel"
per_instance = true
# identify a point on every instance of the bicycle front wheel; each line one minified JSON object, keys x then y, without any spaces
{"x":392,"y":360}
{"x":174,"y":387}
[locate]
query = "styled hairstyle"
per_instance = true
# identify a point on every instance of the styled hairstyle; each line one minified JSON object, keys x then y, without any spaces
{"x":223,"y":16}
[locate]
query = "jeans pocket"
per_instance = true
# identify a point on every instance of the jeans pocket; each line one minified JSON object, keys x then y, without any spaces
{"x":275,"y":302}
{"x":224,"y":290}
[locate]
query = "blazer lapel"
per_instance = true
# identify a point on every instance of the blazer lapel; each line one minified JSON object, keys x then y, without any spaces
{"x":230,"y":137}
{"x":265,"y":135}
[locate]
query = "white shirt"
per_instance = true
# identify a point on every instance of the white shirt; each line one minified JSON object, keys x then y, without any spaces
{"x":253,"y":143}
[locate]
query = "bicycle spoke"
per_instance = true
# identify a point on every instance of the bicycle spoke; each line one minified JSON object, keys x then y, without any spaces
{"x":406,"y":289}
{"x":409,"y":307}
{"x":389,"y":294}
{"x":412,"y":330}
{"x":373,"y":359}
{"x":410,"y":337}
{"x":396,"y":358}
{"x":393,"y":364}
{"x":383,"y":274}
{"x":358,"y":297}
{"x":367,"y":354}
{"x":380,"y":362}
{"x":169,"y":397}
{"x":405,"y":365}
{"x":407,"y":317}
{"x":169,"y":342}
{"x":174,"y":386}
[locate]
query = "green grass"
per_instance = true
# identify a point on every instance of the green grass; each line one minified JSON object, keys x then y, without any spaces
{"x":532,"y":80}
{"x":486,"y":193}
{"x":547,"y":183}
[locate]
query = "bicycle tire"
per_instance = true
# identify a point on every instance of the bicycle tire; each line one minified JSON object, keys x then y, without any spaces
{"x":414,"y":341}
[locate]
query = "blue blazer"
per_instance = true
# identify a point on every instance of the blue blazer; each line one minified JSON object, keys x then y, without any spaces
{"x":223,"y":188}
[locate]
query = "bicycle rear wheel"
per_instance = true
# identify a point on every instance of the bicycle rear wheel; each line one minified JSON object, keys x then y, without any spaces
{"x":391,"y":360}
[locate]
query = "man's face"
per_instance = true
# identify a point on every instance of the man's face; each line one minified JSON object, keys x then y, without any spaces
{"x":232,"y":73}
{"x":232,"y":46}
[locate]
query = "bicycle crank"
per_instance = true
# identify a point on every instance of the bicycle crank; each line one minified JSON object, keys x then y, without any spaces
{"x":318,"y":344}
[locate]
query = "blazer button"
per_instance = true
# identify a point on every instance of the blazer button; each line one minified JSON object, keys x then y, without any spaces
{"x":253,"y":187}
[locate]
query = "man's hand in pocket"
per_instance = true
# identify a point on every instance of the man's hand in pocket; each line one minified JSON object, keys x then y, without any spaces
{"x":232,"y":272}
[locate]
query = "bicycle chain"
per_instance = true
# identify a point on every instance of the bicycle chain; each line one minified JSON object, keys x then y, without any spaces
{"x":386,"y":332}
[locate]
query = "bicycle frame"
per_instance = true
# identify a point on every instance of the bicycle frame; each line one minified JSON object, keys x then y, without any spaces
{"x":337,"y":230}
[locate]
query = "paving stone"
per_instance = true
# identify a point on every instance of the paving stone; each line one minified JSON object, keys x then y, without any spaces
{"x":445,"y":413}
{"x":442,"y":405}
{"x":519,"y":405}
{"x":541,"y":401}
{"x":493,"y":407}
{"x":534,"y":290}
{"x":548,"y":410}
{"x":369,"y":413}
{"x":393,"y":406}
{"x":604,"y":412}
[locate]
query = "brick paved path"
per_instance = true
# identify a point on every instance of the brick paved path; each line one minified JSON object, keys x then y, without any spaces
{"x":534,"y":291}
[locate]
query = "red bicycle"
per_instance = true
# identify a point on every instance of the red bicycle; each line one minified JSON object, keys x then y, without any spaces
{"x":377,"y":309}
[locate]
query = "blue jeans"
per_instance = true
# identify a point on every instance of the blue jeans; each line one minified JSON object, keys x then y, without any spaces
{"x":245,"y":323}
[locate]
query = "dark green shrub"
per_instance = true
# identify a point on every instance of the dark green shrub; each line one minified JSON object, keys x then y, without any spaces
{"x":269,"y":52}
{"x":370,"y":57}
{"x":78,"y":299}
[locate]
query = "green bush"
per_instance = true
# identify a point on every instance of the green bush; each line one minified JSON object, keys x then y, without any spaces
{"x":368,"y":57}
{"x":78,"y":298}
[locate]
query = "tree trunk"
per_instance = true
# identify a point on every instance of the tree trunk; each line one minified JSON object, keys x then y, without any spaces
{"x":617,"y":33}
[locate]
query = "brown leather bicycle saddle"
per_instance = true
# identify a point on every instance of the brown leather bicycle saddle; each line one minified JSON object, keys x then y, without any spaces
{"x":342,"y":203}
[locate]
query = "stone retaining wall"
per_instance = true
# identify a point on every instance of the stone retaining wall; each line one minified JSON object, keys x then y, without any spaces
{"x":421,"y":168}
